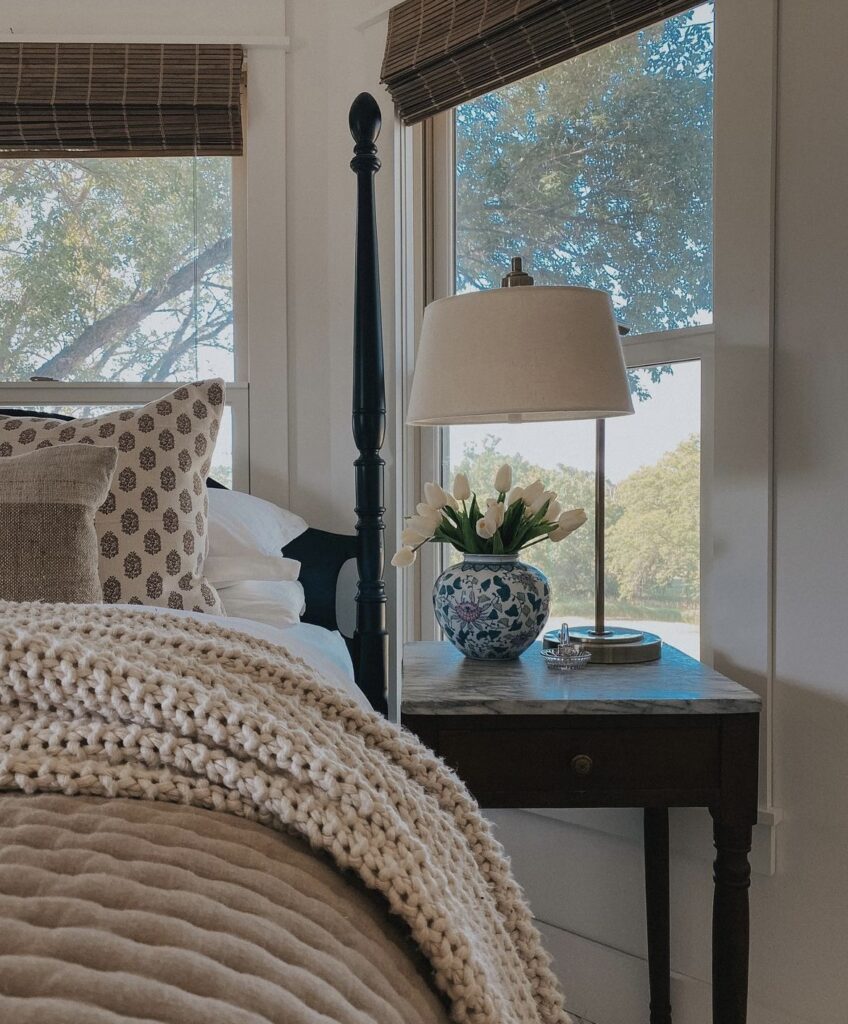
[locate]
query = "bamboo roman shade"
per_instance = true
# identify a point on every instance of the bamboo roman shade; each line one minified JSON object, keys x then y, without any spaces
{"x":105,"y":99}
{"x":443,"y":52}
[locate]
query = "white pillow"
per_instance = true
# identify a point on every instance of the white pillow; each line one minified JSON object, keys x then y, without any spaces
{"x":224,"y":572}
{"x":246,"y":536}
{"x":273,"y":602}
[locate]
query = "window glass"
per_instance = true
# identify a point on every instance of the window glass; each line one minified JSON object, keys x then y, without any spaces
{"x":599,"y":172}
{"x":652,"y":503}
{"x":116,"y":269}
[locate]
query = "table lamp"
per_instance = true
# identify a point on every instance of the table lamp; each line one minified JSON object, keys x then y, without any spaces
{"x":527,"y":354}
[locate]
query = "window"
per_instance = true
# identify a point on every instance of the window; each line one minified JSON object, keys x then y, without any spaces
{"x":599,"y":172}
{"x":116,"y":273}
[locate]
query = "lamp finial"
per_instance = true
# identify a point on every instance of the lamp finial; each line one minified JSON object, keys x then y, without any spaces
{"x":516,"y":276}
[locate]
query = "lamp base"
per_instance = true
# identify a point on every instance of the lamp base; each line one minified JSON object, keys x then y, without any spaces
{"x":612,"y":645}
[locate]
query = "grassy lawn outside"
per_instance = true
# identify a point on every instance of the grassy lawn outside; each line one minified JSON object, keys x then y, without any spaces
{"x":618,"y":609}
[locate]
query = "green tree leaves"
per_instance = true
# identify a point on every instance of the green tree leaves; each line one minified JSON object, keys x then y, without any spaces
{"x":653,"y":547}
{"x":600,"y":171}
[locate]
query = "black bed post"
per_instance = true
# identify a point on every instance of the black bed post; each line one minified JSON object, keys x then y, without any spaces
{"x":369,"y":412}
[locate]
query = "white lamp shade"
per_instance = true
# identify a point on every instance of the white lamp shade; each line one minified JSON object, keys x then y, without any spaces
{"x":513,"y":355}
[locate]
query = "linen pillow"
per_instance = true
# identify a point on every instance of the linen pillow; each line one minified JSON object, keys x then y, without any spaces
{"x":152,"y":527}
{"x":48,"y":543}
{"x":246,"y":538}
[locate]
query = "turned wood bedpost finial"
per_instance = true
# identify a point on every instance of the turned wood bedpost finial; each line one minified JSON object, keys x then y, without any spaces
{"x":369,"y":411}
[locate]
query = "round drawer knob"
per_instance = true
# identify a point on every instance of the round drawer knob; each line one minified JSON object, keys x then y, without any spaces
{"x":581,"y":764}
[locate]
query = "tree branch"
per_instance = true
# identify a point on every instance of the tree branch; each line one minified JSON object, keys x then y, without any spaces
{"x":120,"y":321}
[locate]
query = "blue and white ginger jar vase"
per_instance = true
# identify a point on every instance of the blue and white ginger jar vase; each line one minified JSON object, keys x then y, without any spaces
{"x":491,"y":607}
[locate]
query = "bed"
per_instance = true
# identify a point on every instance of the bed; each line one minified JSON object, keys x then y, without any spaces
{"x":206,"y":819}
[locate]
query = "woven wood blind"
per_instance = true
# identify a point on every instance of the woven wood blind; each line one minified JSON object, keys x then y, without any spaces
{"x":443,"y":52}
{"x":112,"y":99}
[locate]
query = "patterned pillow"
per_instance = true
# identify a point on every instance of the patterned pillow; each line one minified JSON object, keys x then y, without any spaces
{"x":48,"y":544}
{"x":151,"y":529}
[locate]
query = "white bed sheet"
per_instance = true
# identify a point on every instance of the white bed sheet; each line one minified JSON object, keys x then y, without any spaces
{"x":322,"y":649}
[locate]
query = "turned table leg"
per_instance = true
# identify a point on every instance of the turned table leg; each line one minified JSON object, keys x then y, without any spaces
{"x":732,"y":875}
{"x":734,"y":817}
{"x":657,"y":906}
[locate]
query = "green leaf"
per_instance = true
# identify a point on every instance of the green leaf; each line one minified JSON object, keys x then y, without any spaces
{"x":452,"y":514}
{"x":512,"y":519}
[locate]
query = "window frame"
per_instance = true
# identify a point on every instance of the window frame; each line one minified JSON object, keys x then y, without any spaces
{"x":736,"y":352}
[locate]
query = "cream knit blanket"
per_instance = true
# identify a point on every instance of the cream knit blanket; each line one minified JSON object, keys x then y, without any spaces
{"x":100,"y":701}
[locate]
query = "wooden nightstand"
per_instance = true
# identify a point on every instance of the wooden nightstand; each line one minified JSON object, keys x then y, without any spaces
{"x":672,"y":733}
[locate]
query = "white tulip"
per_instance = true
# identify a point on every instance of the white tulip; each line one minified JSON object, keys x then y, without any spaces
{"x":426,"y":527}
{"x":461,"y":487}
{"x":429,"y":514}
{"x":554,"y":512}
{"x":498,"y":511}
{"x":516,"y":494}
{"x":436,"y":496}
{"x":538,"y":504}
{"x":503,"y":479}
{"x":403,"y":558}
{"x":411,"y":538}
{"x":534,"y":491}
{"x":568,"y":523}
{"x":486,"y":527}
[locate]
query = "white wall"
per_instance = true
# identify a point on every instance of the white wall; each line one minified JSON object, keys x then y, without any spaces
{"x":335,"y":53}
{"x":803,"y":913}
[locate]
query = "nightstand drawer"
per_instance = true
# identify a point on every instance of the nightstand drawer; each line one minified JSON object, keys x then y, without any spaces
{"x":555,"y":761}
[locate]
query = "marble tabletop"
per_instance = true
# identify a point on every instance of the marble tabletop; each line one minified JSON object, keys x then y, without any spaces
{"x":438,"y":680}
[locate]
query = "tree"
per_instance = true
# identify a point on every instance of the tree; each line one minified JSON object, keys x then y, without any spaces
{"x":653,"y":548}
{"x":113,"y":269}
{"x":600,"y":171}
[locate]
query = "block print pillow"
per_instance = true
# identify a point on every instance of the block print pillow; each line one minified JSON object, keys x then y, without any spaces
{"x":152,"y":529}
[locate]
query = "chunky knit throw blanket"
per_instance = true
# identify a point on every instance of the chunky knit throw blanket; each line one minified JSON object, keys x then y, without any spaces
{"x":110,"y":702}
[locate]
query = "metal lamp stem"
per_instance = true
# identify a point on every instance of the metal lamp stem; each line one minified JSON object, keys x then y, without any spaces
{"x":609,"y":645}
{"x":600,"y":522}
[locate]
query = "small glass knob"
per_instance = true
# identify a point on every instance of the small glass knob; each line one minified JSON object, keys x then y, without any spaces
{"x":581,"y":764}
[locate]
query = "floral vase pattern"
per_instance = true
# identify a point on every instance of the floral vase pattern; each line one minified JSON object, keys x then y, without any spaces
{"x":491,"y":606}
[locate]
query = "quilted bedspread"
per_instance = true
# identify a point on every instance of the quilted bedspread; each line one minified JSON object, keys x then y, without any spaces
{"x":129,"y":911}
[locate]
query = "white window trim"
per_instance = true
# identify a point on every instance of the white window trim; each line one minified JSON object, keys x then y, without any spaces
{"x":737,"y":616}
